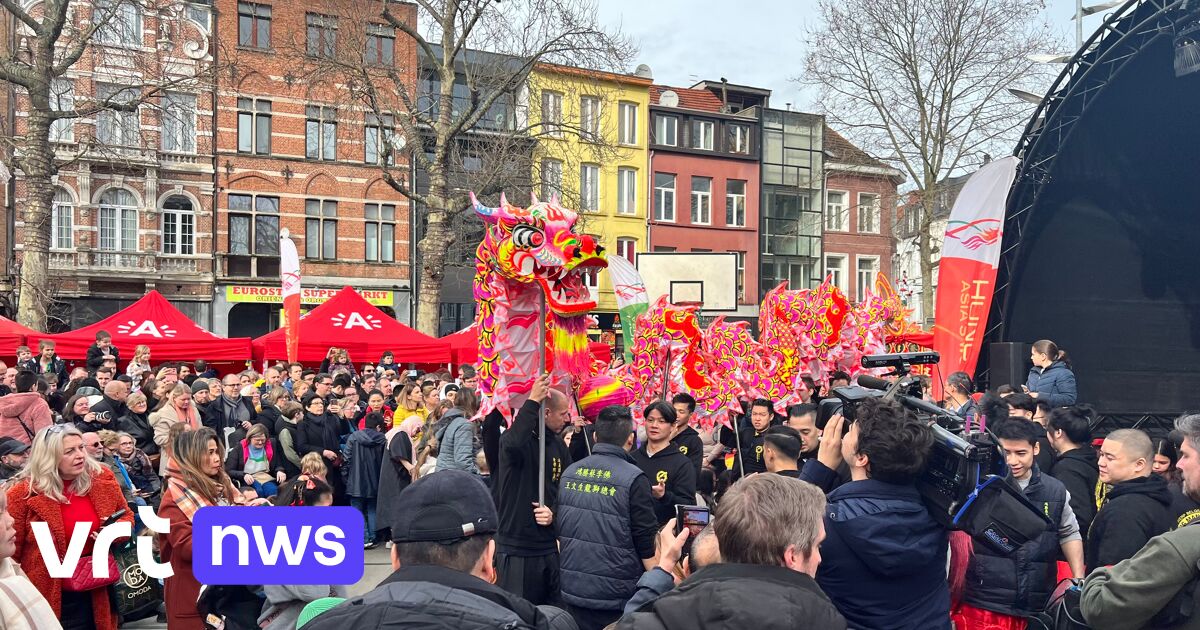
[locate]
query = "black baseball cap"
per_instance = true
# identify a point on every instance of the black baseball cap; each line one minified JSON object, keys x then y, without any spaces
{"x":445,"y":507}
{"x":12,"y":446}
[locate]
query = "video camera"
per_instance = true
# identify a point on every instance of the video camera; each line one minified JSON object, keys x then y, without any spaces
{"x":964,"y":484}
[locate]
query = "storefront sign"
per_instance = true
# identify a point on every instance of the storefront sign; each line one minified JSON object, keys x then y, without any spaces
{"x":308,"y":295}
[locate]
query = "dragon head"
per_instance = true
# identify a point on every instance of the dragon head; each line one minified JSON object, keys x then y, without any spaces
{"x":539,"y":245}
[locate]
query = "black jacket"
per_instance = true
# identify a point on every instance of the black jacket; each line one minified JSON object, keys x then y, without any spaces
{"x":1077,"y":470}
{"x":107,"y":412}
{"x":515,"y":485}
{"x":364,"y":454}
{"x":217,"y":418}
{"x":270,"y":418}
{"x":430,"y":597}
{"x":751,"y":451}
{"x":95,"y":357}
{"x":1136,"y":511}
{"x":1184,"y":509}
{"x":673,"y":469}
{"x":691,"y":446}
{"x":737,"y":597}
{"x":138,"y":425}
{"x":316,"y":434}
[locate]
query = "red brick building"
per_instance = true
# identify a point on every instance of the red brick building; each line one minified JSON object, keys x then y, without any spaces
{"x":705,"y":181}
{"x":134,"y":193}
{"x":299,"y":153}
{"x":860,"y":202}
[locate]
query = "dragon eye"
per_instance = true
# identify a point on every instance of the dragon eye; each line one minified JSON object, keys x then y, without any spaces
{"x":527,"y":236}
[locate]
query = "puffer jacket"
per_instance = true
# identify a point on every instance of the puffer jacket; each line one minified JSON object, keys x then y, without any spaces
{"x":883,"y":562}
{"x":427,"y":597}
{"x":1054,"y":384}
{"x":456,"y":442}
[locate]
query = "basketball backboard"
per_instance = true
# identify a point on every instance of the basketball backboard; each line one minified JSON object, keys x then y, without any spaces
{"x":708,"y":279}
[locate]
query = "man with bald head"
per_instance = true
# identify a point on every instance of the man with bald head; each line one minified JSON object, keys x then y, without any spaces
{"x":111,"y":407}
{"x":1138,"y":507}
{"x":527,"y":560}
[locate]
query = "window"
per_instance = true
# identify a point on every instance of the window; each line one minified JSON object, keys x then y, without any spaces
{"x":868,"y":213}
{"x":626,"y":191}
{"x":589,"y":118}
{"x":552,"y":177}
{"x":322,"y":35}
{"x":320,"y":229}
{"x":741,"y":276}
{"x":627,"y":248}
{"x":627,"y":132}
{"x":179,"y":123}
{"x":835,"y":211}
{"x":381,"y":45}
{"x":835,"y":269}
{"x":589,"y":187}
{"x":254,"y":25}
{"x":320,"y":133}
{"x":62,"y":99}
{"x":664,"y":197}
{"x":381,"y":232}
{"x":178,"y":226}
{"x":254,"y":126}
{"x":117,"y":128}
{"x":552,"y":112}
{"x":62,"y":221}
{"x":738,"y":139}
{"x":377,"y":139}
{"x":666,"y":130}
{"x":253,"y":225}
{"x":663,"y":249}
{"x":868,"y":267}
{"x":735,"y":203}
{"x":118,"y":221}
{"x":702,"y":134}
{"x":701,"y":200}
{"x":120,"y":22}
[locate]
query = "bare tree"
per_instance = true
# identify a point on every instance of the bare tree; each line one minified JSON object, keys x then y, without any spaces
{"x":53,"y":37}
{"x":469,"y":128}
{"x":924,"y":83}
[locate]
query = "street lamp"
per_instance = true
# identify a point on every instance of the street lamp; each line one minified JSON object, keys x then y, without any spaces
{"x":1049,"y":58}
{"x":1028,"y":97}
{"x":1082,"y":12}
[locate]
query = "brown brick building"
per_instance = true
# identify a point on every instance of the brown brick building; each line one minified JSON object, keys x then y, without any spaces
{"x":298,"y":153}
{"x":860,"y":201}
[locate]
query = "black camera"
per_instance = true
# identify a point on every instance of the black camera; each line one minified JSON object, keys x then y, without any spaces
{"x":964,"y":484}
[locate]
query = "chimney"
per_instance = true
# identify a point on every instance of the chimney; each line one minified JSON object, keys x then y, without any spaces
{"x":724,"y":95}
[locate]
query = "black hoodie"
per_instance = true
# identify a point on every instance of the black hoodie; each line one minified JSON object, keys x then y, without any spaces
{"x":675,"y":471}
{"x":1077,"y":470}
{"x":690,"y":444}
{"x":1137,"y":510}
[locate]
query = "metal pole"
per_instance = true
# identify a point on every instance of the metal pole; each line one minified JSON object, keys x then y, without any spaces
{"x":1078,"y":24}
{"x":542,"y":407}
{"x":737,"y":438}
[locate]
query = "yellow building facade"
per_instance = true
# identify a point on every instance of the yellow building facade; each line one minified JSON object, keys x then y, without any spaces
{"x":593,"y":139}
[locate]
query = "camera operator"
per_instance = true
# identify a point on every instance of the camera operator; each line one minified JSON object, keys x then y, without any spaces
{"x":1002,"y":591}
{"x":1150,"y":590}
{"x":884,"y":556}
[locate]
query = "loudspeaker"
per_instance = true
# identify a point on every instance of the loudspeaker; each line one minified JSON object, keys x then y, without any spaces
{"x":1008,"y":364}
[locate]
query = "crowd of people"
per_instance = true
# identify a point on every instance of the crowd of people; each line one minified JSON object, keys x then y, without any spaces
{"x":803,"y":525}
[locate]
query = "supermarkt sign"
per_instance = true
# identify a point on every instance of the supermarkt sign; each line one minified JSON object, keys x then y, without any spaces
{"x":274,"y":295}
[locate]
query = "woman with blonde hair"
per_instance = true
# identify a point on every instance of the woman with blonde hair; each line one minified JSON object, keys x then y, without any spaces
{"x":175,"y":408}
{"x":63,"y":487}
{"x":197,"y":479}
{"x":139,"y":365}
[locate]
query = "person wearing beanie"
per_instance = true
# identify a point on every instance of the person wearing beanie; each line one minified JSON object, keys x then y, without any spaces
{"x":444,"y":567}
{"x":315,"y":608}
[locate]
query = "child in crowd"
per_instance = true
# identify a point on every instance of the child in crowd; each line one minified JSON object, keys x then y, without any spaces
{"x":364,"y":458}
{"x":25,"y":360}
{"x":139,"y":365}
{"x":312,"y":464}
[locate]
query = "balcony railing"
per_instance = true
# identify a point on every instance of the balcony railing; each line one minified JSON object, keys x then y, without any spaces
{"x":138,"y":262}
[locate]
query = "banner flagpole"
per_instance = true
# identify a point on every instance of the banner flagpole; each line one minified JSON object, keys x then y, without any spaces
{"x":289,"y":273}
{"x":542,"y":407}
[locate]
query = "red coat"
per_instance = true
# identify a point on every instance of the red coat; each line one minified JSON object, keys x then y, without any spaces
{"x":181,"y":589}
{"x":106,"y":498}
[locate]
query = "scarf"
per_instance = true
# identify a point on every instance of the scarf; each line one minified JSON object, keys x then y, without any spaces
{"x":187,"y":499}
{"x":235,"y":412}
{"x":22,"y":607}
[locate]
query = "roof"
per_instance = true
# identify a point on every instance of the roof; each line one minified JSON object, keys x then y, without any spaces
{"x":841,"y":151}
{"x":702,"y":100}
{"x":589,"y":73}
{"x":155,"y":322}
{"x":709,"y":84}
{"x":12,"y":335}
{"x":348,"y":321}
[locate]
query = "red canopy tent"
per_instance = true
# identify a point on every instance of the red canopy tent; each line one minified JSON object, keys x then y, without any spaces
{"x":349,"y":321}
{"x":464,"y":347}
{"x":12,"y":335}
{"x":155,"y":322}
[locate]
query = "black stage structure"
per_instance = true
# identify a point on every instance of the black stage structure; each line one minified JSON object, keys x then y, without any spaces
{"x":1101,"y":249}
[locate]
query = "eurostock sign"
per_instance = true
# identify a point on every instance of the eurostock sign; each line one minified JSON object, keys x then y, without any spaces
{"x":235,"y":545}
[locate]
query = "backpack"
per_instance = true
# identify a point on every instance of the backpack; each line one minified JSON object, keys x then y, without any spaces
{"x":1062,"y":609}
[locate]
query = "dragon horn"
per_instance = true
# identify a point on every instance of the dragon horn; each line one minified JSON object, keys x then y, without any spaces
{"x":482,"y":210}
{"x":503,"y":201}
{"x":554,"y":201}
{"x":533,"y":200}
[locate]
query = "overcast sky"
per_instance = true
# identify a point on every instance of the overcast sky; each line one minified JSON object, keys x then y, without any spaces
{"x":757,"y":42}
